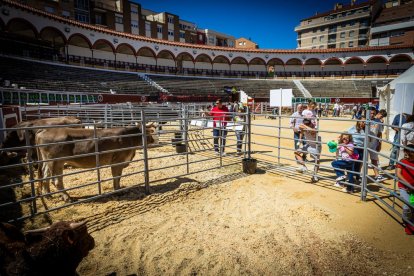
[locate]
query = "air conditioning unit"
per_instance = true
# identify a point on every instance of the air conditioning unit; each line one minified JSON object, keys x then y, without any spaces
{"x":15,"y":85}
{"x":7,"y":83}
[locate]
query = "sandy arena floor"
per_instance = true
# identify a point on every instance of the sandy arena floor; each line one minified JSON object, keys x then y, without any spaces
{"x":223,"y":222}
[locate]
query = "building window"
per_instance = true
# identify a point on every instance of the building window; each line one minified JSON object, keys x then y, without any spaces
{"x":351,"y":33}
{"x":170,"y":32}
{"x":119,"y":20}
{"x":314,"y":30}
{"x":98,"y":19}
{"x":321,"y":38}
{"x":49,"y":9}
{"x":182,"y":35}
{"x":171,"y":19}
{"x":342,"y":35}
{"x":351,"y":44}
{"x":134,"y":9}
{"x":134,"y":23}
{"x":351,"y":23}
{"x":65,"y":14}
{"x":82,"y":4}
{"x":313,"y":39}
{"x":342,"y":45}
{"x":159,"y":29}
{"x":82,"y":18}
{"x":211,"y":40}
{"x":321,"y":47}
{"x":147,"y":26}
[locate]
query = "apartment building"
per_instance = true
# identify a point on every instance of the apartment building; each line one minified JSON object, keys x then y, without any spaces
{"x":244,"y":43}
{"x":128,"y":16}
{"x":345,"y":26}
{"x":394,"y":25}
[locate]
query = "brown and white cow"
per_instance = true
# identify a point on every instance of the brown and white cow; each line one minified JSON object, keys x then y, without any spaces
{"x":119,"y":141}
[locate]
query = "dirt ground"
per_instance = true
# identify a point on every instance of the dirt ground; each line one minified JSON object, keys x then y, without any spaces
{"x":222,"y":221}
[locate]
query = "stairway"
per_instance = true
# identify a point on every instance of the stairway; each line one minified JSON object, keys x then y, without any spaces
{"x":153,"y":83}
{"x":302,"y":89}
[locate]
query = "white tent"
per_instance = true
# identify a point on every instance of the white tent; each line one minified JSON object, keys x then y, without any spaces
{"x":398,"y":96}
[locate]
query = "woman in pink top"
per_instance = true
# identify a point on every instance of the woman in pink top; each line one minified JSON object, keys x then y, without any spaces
{"x":220,"y":114}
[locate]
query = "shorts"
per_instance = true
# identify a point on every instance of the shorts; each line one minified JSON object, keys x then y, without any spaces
{"x":313,"y":152}
{"x":373,"y":154}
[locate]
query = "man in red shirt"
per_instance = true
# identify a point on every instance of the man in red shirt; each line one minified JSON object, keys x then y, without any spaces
{"x":220,"y":118}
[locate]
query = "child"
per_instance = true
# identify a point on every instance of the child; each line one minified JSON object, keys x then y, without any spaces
{"x":312,"y":146}
{"x":405,"y":175}
{"x":346,"y":152}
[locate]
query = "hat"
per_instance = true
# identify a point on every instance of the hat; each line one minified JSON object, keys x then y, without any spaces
{"x":332,"y":145}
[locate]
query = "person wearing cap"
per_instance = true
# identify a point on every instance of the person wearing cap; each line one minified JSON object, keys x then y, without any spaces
{"x":312,"y":146}
{"x":220,"y":115}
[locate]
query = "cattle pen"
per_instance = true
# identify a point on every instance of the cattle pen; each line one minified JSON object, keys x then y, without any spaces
{"x":171,"y":175}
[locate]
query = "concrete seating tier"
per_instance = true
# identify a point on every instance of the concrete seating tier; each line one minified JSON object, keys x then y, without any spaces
{"x":43,"y":76}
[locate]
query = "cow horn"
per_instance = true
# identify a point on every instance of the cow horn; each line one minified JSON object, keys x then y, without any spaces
{"x":37,"y":231}
{"x":75,"y":225}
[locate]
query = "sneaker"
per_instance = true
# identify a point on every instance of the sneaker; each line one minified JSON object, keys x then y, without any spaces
{"x":379,"y":178}
{"x":314,"y":179}
{"x":341,"y":178}
{"x":302,"y":169}
{"x":217,"y":153}
{"x":390,"y":168}
{"x":338,"y":185}
{"x":345,"y":190}
{"x":223,"y":154}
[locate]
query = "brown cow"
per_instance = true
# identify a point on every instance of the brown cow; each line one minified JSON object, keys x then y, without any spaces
{"x":16,"y":138}
{"x":55,"y":250}
{"x":111,"y":139}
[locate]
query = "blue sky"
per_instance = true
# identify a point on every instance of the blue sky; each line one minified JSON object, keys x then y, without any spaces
{"x":269,"y":23}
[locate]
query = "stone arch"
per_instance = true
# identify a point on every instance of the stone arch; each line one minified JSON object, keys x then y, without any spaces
{"x":239,"y":64}
{"x":277,"y":64}
{"x":146,"y":56}
{"x":22,"y":27}
{"x":79,"y":45}
{"x":312,"y":65}
{"x":354,"y":65}
{"x":103,"y":49}
{"x":185,"y":61}
{"x":166,"y":58}
{"x":257,"y":64}
{"x":125,"y":53}
{"x":294,"y":65}
{"x":376,"y":65}
{"x":333,"y":66}
{"x":221,"y":63}
{"x":203,"y":61}
{"x":400,"y":62}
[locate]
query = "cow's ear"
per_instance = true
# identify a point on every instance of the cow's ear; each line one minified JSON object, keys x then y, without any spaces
{"x":20,"y":132}
{"x":69,"y":236}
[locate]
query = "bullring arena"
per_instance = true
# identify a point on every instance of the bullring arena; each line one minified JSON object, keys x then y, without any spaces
{"x":181,"y":208}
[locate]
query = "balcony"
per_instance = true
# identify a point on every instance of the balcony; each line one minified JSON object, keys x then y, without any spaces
{"x":106,"y":6}
{"x":332,"y":21}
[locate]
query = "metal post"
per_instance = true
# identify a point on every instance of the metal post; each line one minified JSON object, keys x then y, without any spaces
{"x":365,"y":159}
{"x":98,"y":165}
{"x":185,"y":136}
{"x":145,"y":152}
{"x":31,"y":174}
{"x":249,"y":130}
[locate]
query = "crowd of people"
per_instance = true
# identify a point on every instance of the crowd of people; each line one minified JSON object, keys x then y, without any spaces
{"x":349,"y":149}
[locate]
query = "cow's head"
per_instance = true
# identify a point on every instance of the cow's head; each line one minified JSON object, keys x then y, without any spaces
{"x":59,"y":247}
{"x":151,"y":130}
